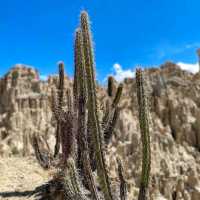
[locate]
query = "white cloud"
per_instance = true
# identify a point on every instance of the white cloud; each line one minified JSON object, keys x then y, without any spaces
{"x":120,"y":74}
{"x":43,"y":77}
{"x":193,"y":68}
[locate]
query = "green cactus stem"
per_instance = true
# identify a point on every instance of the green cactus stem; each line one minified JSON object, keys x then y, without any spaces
{"x":82,"y":117}
{"x":60,"y":105}
{"x":123,"y":184}
{"x":145,"y":135}
{"x":110,"y":86}
{"x":93,"y":122}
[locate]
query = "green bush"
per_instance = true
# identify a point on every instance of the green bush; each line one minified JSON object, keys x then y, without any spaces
{"x":15,"y":75}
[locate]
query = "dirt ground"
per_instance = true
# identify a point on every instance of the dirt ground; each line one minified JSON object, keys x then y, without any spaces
{"x":19,"y":177}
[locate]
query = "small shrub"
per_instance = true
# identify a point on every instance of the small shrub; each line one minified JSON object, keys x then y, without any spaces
{"x":15,"y":75}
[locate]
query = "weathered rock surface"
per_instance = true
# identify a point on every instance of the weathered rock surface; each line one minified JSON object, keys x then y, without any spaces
{"x":175,"y":126}
{"x":175,"y":133}
{"x":24,"y":109}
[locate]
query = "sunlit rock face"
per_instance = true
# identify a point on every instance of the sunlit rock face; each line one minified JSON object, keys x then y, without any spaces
{"x":174,"y":102}
{"x":24,"y":108}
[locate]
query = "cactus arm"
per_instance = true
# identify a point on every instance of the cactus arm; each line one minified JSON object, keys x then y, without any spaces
{"x":70,"y":105}
{"x":111,"y":116}
{"x":60,"y":104}
{"x":76,"y":71}
{"x":117,"y":95}
{"x":108,"y":132}
{"x":144,"y":129}
{"x":74,"y":179}
{"x":109,"y":111}
{"x":110,"y":86}
{"x":58,"y":140}
{"x":61,"y":84}
{"x":43,"y":158}
{"x":123,"y":184}
{"x":67,"y":140}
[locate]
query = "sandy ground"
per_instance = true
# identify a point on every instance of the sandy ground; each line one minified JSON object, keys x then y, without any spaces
{"x":19,"y":177}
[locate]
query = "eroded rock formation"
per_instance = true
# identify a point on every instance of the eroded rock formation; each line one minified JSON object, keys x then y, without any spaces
{"x":175,"y":126}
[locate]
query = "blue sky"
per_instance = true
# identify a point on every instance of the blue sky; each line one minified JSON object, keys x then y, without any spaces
{"x":126,"y":33}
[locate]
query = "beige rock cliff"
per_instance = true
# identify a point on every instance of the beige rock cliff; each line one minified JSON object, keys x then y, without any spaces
{"x":174,"y":97}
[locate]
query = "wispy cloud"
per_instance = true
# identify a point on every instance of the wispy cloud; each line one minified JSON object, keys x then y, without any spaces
{"x":119,"y":73}
{"x":193,"y":68}
{"x":165,"y":50}
{"x":192,"y":45}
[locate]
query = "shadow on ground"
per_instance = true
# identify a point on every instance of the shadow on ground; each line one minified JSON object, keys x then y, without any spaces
{"x":17,"y":194}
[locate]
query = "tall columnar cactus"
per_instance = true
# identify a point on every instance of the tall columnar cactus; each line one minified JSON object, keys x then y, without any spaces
{"x":144,"y":128}
{"x":93,"y":122}
{"x":83,"y":151}
{"x":60,"y":105}
{"x":84,"y":137}
{"x":110,"y":86}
